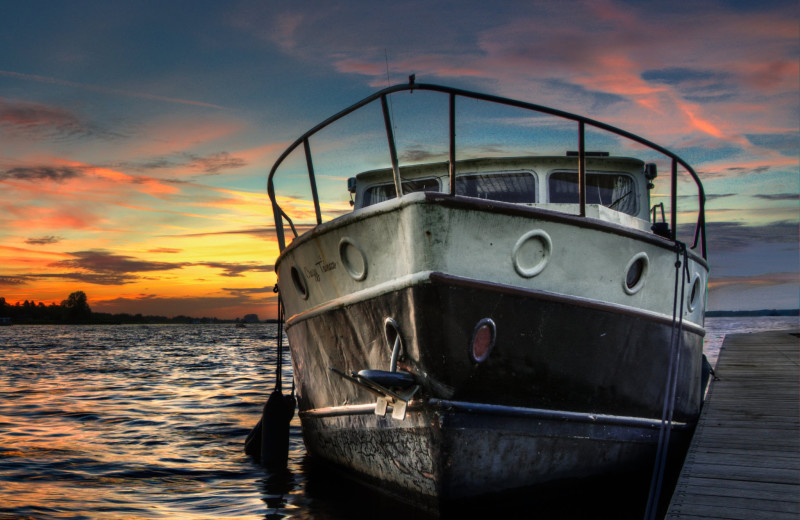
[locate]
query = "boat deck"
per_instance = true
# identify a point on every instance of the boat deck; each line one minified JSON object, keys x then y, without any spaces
{"x":744,"y":459}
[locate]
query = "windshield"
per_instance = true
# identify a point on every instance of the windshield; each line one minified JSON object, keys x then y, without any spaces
{"x":614,"y":190}
{"x":518,"y":187}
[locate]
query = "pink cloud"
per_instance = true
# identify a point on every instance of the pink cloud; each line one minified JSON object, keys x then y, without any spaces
{"x":39,"y":120}
{"x":572,"y":58}
{"x":777,"y":74}
{"x":171,"y":136}
{"x":68,"y":216}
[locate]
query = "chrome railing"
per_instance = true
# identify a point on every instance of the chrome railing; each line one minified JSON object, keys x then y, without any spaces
{"x":699,"y":238}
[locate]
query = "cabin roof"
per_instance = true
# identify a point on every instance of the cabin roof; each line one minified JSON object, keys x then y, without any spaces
{"x":541,"y":164}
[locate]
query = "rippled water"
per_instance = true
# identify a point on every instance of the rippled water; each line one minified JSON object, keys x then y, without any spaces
{"x":135,"y":422}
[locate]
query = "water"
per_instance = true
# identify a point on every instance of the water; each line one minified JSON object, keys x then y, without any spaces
{"x":718,"y":328}
{"x":149,"y":422}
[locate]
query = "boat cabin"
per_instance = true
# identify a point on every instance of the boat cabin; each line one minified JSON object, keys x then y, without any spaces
{"x":617,"y":188}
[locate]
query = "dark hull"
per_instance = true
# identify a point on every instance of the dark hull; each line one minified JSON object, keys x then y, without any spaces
{"x":572,"y":389}
{"x":444,"y":455}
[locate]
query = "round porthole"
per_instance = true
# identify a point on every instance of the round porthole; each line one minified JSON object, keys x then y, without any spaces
{"x":353,"y":259}
{"x":531,"y":253}
{"x":636,"y":273}
{"x":299,"y":282}
{"x":483,"y":340}
{"x":694,"y":293}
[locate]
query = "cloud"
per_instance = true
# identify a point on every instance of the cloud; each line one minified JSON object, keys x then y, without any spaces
{"x":778,"y":196}
{"x":41,"y":121}
{"x":51,"y":239}
{"x":701,"y":86}
{"x":36,"y":173}
{"x":259,"y":291}
{"x":104,"y":267}
{"x":107,"y":263}
{"x":418,"y":154}
{"x":761,"y":291}
{"x":111,"y":279}
{"x":785,"y":143}
{"x":164,"y":250}
{"x":636,"y":66}
{"x":265,"y":233}
{"x":731,"y":236}
{"x":207,"y":164}
{"x":153,"y":304}
{"x":709,"y":196}
{"x":13,"y":280}
{"x":215,"y":163}
{"x":103,"y":90}
{"x":285,"y":29}
{"x":768,"y":279}
{"x":236,"y":270}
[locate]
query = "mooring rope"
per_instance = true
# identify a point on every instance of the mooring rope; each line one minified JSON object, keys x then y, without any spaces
{"x":279,"y":366}
{"x":670,"y":388}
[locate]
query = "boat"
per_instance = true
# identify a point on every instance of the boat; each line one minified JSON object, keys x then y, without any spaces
{"x":4,"y":320}
{"x":478,"y":326}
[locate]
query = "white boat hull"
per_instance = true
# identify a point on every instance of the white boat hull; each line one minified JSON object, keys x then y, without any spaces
{"x":573,"y":388}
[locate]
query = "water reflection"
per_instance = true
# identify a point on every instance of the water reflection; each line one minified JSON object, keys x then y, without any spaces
{"x":130,"y":421}
{"x":332,"y":495}
{"x":143,"y":422}
{"x":277,"y":486}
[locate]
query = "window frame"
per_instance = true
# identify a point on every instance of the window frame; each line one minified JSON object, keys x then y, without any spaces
{"x":369,"y":187}
{"x":594,"y":173}
{"x":520,"y":172}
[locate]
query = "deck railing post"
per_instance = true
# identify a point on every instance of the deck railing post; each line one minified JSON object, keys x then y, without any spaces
{"x":312,"y":180}
{"x":277,"y":213}
{"x":581,"y":168}
{"x":452,"y":166}
{"x":387,"y":120}
{"x":674,"y":199}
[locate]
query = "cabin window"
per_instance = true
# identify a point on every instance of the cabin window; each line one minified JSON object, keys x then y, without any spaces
{"x":614,"y":190}
{"x":381,"y":192}
{"x":517,"y":187}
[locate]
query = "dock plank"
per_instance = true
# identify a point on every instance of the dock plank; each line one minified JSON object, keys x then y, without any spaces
{"x":744,"y":459}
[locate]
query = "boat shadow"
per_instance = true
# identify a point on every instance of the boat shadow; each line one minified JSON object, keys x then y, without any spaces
{"x":332,"y":494}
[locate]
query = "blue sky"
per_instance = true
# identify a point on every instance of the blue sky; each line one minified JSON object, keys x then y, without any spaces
{"x":135,"y":137}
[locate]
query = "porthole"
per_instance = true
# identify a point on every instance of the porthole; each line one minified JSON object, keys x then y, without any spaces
{"x":353,"y":259}
{"x":636,"y":273}
{"x":531,"y":253}
{"x":299,"y":282}
{"x":483,"y":338}
{"x":694,"y":293}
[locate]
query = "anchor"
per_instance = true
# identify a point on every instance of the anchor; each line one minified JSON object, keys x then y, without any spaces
{"x":393,"y":388}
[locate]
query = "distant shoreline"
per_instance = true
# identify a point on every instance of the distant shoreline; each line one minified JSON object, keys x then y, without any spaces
{"x":205,"y":321}
{"x":99,"y":318}
{"x":761,"y":312}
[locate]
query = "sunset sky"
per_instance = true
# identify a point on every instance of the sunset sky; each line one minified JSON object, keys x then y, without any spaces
{"x":136,"y":136}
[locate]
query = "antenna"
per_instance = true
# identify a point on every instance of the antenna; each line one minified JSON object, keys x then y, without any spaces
{"x":386,"y":57}
{"x":389,"y":84}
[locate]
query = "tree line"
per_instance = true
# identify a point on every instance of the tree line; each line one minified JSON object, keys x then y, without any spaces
{"x":75,"y":309}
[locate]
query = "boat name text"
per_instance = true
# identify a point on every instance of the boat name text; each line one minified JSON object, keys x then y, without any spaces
{"x":320,"y":266}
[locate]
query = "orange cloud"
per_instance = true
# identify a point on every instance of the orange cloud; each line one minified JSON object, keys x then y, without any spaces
{"x":764,"y":280}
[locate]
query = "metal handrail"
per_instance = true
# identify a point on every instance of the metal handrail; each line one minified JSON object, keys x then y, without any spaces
{"x":699,"y":234}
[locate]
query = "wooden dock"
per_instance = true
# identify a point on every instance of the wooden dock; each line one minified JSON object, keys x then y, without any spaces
{"x":744,"y":459}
